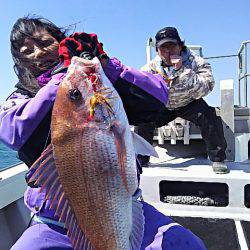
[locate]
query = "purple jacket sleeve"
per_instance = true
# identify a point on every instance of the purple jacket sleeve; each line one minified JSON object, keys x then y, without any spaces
{"x":19,"y":116}
{"x":153,"y":84}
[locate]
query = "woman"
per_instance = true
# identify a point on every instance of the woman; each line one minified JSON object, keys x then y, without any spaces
{"x":41,"y":52}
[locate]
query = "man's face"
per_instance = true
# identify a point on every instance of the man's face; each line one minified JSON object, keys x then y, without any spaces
{"x":168,"y":49}
{"x":39,"y":52}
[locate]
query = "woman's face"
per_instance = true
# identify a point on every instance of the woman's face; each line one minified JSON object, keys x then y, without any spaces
{"x":39,"y":52}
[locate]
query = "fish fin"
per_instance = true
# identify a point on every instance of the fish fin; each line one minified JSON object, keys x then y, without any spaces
{"x":77,"y":237}
{"x":121,"y":150}
{"x":45,"y":175}
{"x":143,"y":147}
{"x":38,"y":165}
{"x":43,"y":170}
{"x":138,"y":221}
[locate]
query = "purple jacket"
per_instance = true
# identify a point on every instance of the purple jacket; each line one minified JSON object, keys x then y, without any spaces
{"x":160,"y":232}
{"x":20,"y":115}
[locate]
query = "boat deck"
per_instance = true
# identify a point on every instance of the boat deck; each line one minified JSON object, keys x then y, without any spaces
{"x":219,"y":234}
{"x":176,"y":180}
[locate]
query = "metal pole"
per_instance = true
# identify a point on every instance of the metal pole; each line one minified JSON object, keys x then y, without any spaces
{"x":148,"y":49}
{"x":245,"y":74}
{"x":227,"y":115}
{"x":242,"y":73}
{"x":216,"y":57}
{"x":239,"y":78}
{"x":200,"y":50}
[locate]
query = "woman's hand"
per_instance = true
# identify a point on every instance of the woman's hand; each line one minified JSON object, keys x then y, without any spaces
{"x":81,"y":44}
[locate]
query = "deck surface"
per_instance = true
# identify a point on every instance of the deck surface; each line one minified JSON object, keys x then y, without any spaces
{"x":217,"y":234}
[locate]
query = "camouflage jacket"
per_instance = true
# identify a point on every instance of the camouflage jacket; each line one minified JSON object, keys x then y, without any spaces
{"x":193,"y":80}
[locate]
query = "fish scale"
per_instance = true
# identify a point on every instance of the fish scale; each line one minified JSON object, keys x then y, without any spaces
{"x":91,"y":191}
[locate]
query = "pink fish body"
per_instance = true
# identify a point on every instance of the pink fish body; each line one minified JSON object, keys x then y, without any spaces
{"x":92,"y":176}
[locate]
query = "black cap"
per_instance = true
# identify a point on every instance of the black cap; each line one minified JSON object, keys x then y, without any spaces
{"x":167,"y":34}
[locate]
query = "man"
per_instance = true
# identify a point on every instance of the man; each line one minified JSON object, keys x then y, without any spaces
{"x":189,"y":78}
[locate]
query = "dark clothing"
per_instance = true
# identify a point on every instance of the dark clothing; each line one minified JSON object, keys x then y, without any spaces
{"x":203,"y":116}
{"x":140,"y":106}
{"x":145,"y":130}
{"x":37,"y":142}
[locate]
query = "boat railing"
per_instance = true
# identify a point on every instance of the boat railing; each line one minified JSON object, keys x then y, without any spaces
{"x":10,"y":166}
{"x":243,"y":74}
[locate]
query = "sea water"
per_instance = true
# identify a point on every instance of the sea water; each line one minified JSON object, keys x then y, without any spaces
{"x":8,"y":157}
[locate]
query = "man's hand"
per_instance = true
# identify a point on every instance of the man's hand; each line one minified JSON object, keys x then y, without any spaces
{"x":176,"y":61}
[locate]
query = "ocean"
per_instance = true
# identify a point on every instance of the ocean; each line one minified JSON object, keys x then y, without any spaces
{"x":8,"y":157}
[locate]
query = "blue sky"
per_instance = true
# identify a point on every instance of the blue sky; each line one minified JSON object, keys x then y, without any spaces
{"x":124,"y":27}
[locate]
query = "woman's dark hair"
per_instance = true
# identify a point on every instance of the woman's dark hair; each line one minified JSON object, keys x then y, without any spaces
{"x":23,"y":28}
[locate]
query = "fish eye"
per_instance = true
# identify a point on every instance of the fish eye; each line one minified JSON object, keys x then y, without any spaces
{"x":74,"y":94}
